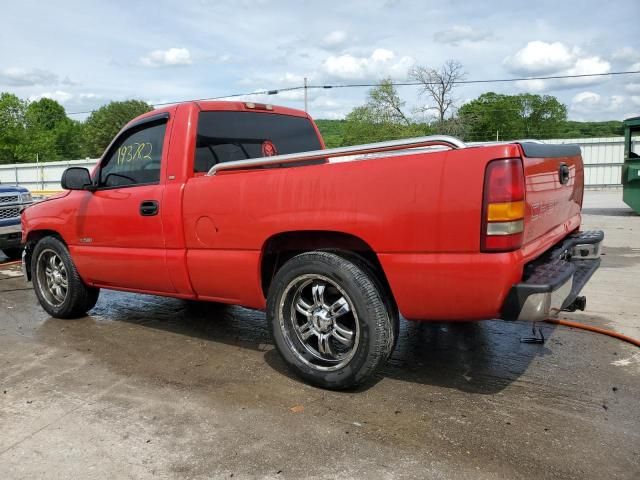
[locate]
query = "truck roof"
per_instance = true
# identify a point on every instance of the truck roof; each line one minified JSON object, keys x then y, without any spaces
{"x":222,"y":105}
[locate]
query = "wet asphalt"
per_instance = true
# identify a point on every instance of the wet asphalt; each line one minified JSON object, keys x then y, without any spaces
{"x":149,"y":387}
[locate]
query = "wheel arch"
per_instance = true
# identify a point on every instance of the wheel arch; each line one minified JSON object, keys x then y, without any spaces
{"x":32,"y":238}
{"x":283,"y":246}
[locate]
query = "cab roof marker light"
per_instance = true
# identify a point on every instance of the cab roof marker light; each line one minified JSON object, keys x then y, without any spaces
{"x":258,"y":106}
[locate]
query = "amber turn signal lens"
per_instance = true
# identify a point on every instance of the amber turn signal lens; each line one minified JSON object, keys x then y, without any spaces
{"x":505,"y":211}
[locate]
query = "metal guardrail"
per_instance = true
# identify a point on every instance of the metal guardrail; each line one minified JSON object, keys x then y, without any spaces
{"x":41,"y":175}
{"x":393,"y":145}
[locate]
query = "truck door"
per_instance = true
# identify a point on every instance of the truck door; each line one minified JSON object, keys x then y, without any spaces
{"x":120,"y":240}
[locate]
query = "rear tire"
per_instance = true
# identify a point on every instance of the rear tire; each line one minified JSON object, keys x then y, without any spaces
{"x":56,"y":281}
{"x":330,"y":320}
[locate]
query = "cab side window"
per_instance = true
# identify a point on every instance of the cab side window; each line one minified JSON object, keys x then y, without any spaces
{"x":136,"y":157}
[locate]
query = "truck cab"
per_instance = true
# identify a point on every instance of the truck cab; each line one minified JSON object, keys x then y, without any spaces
{"x":13,"y":200}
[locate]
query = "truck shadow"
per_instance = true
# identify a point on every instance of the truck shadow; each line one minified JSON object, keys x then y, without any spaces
{"x":476,"y":357}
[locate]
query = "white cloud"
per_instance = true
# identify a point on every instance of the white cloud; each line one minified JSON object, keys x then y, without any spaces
{"x":588,"y":65}
{"x":72,"y":101}
{"x":167,"y":58}
{"x":636,"y":99}
{"x":540,"y":58}
{"x":458,"y":34}
{"x":58,"y":95}
{"x":381,"y":63}
{"x":21,"y":77}
{"x":555,"y":59}
{"x":586,"y":98}
{"x":591,"y":102}
{"x":334,"y":38}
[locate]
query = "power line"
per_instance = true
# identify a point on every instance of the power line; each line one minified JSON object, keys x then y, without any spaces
{"x":494,"y":80}
{"x":233,"y":95}
{"x":276,"y":91}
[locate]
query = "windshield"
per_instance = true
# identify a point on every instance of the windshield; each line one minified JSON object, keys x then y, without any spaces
{"x":229,"y":136}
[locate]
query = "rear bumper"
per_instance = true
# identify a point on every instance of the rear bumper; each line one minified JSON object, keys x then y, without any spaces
{"x":552,"y":283}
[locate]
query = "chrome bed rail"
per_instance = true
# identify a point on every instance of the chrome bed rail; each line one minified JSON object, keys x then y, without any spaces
{"x":404,"y":144}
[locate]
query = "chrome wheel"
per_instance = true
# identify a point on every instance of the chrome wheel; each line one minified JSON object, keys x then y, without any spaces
{"x":52,"y":277}
{"x":319,"y":322}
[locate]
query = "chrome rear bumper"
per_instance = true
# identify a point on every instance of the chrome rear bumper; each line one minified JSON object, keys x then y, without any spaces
{"x":553,"y":283}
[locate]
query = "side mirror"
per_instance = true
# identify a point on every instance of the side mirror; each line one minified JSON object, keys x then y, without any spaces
{"x":76,"y":178}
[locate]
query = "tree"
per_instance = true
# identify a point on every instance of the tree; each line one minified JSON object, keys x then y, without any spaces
{"x":103,"y":124}
{"x":49,"y":133}
{"x":521,"y":116}
{"x":381,"y":118}
{"x":44,"y":114}
{"x":332,"y":132}
{"x":12,"y":128}
{"x":385,"y":106}
{"x":438,"y":85}
{"x":70,"y":140}
{"x":542,"y":115}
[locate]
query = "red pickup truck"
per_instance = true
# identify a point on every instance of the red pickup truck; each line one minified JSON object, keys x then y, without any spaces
{"x":240,"y":203}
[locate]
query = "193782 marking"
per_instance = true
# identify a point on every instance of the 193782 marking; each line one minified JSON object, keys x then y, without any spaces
{"x":134,"y":152}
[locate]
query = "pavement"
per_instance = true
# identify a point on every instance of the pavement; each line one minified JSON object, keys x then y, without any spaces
{"x":148,"y":387}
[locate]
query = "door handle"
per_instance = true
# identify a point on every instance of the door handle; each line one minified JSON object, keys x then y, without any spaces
{"x":564,"y":173}
{"x":148,"y":208}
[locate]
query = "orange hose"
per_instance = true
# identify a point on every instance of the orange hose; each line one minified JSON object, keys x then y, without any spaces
{"x":6,"y":264}
{"x":603,"y":331}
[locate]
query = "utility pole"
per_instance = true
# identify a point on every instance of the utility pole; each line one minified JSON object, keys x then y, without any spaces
{"x":497,"y":135}
{"x":306,"y":96}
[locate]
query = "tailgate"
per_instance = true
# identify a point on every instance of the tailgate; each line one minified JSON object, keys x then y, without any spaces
{"x":554,"y":176}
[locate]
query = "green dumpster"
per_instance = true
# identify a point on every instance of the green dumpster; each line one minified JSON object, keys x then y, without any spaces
{"x":631,"y":166}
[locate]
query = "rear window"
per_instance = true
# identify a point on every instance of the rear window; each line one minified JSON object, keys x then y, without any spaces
{"x":228,"y":136}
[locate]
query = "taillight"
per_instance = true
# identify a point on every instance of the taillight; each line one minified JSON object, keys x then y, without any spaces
{"x":503,"y":206}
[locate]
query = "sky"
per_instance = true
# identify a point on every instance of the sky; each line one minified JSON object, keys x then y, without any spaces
{"x":87,"y":53}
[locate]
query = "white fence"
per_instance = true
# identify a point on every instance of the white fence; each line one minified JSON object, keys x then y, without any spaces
{"x":39,"y":176}
{"x":602,"y":157}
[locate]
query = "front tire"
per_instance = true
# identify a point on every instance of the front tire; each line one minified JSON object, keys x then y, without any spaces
{"x":56,"y":281}
{"x":330,"y":321}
